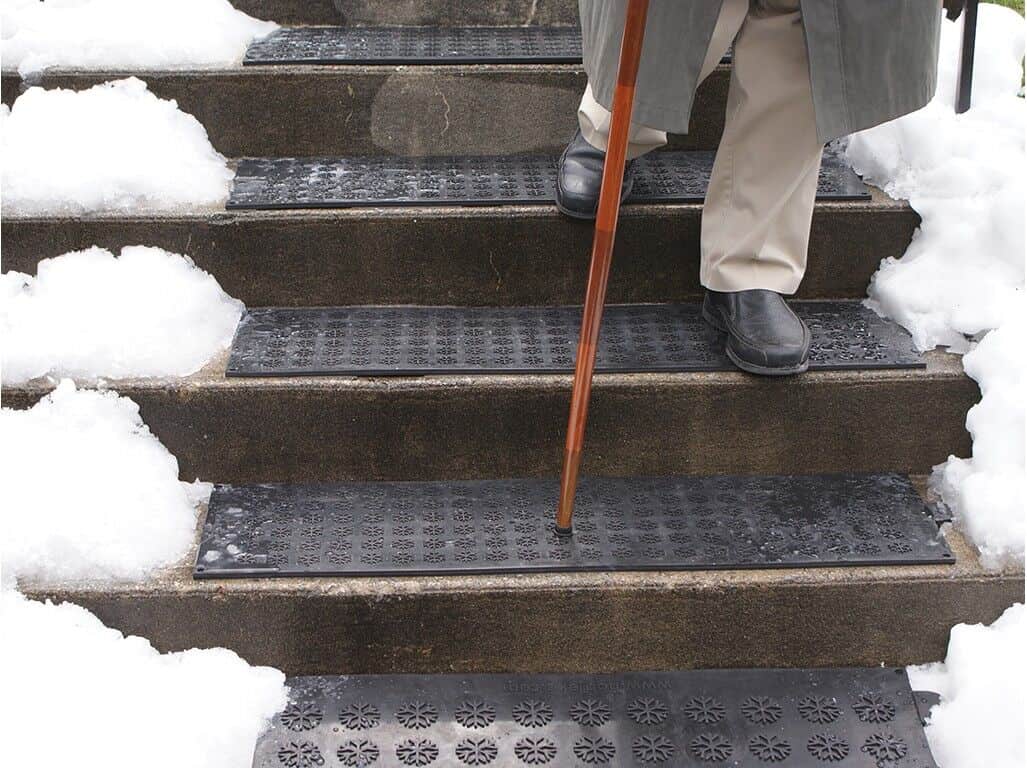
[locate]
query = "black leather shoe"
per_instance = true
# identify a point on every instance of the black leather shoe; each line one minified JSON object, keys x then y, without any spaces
{"x":580,"y":178}
{"x":764,"y":335}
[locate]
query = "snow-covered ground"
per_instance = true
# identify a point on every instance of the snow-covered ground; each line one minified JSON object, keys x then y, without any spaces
{"x":91,"y":315}
{"x":980,"y":722}
{"x":79,"y":694}
{"x":113,"y":147}
{"x":88,"y":493}
{"x":963,"y":274}
{"x":125,"y":35}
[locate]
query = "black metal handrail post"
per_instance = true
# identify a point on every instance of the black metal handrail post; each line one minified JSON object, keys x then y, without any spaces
{"x":964,"y":83}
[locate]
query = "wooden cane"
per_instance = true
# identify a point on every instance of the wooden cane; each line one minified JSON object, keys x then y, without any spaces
{"x":602,"y":255}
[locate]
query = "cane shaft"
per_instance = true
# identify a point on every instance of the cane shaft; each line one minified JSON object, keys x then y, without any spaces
{"x":602,"y":255}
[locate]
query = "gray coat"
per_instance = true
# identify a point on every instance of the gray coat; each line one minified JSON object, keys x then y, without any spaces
{"x":870,"y":60}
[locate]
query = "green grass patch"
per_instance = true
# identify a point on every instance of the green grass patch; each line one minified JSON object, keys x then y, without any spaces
{"x":1016,"y":5}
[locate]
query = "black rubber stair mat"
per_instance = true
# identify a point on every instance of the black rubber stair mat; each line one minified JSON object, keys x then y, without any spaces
{"x":346,"y":182}
{"x":637,"y":338}
{"x":506,"y":526}
{"x":418,"y":45}
{"x":750,"y":717}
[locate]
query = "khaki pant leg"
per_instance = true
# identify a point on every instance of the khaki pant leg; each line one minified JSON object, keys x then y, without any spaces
{"x":594,"y":118}
{"x":759,"y":205}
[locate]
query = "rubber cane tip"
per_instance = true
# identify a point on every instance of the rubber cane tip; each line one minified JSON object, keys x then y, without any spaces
{"x":568,"y":531}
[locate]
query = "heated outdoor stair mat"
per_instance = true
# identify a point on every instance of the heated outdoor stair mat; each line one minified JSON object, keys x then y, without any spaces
{"x":419,"y":45}
{"x":636,"y":338}
{"x":345,"y":182}
{"x":488,"y":526}
{"x":750,"y":717}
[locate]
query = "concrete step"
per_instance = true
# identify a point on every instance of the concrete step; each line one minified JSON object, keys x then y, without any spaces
{"x":478,"y":426}
{"x":411,"y":12}
{"x":572,"y":622}
{"x":492,"y":256}
{"x":276,"y":111}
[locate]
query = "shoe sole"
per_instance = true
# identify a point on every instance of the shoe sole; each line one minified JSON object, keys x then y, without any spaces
{"x":590,"y":216}
{"x":746,"y":366}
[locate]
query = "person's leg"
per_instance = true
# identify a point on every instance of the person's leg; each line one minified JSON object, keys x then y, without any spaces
{"x":759,"y":205}
{"x":581,"y":166}
{"x":594,"y":118}
{"x":594,"y":123}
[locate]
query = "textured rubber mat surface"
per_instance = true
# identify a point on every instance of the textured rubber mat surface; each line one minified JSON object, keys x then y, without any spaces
{"x":620,"y":524}
{"x":393,"y":341}
{"x":418,"y":45}
{"x":338,"y":182}
{"x":827,"y":717}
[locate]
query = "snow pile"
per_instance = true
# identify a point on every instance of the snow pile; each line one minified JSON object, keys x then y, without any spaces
{"x":90,"y":314}
{"x":125,"y":34}
{"x":987,"y":493}
{"x":87,"y":492}
{"x":964,"y":270}
{"x":963,"y":274}
{"x":122,"y":704}
{"x":980,"y":721}
{"x":113,"y":147}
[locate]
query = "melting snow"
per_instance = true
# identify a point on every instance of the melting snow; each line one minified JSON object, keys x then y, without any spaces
{"x":114,"y":147}
{"x":87,"y":492}
{"x":90,"y":314}
{"x":125,"y":35}
{"x":119,"y":703}
{"x":963,"y":274}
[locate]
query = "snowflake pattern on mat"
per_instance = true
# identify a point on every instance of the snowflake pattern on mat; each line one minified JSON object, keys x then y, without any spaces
{"x":357,"y":753}
{"x":533,"y":713}
{"x":300,"y":754}
{"x":360,"y":716}
{"x":652,"y":749}
{"x":761,"y":710}
{"x":705,"y":710}
{"x":477,"y":751}
{"x":647,"y":711}
{"x":828,"y":747}
{"x":885,"y":747}
{"x":769,"y":749}
{"x":711,"y":747}
{"x":874,"y":708}
{"x":590,"y":713}
{"x":819,"y":709}
{"x":535,"y":750}
{"x":475,"y":714}
{"x":594,"y":750}
{"x":417,"y":752}
{"x":302,"y":716}
{"x":417,"y":715}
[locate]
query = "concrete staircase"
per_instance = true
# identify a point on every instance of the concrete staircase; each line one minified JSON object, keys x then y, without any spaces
{"x":323,"y":429}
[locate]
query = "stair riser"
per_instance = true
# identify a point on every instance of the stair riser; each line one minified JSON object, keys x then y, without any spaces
{"x":252,"y":431}
{"x":763,"y":621}
{"x":482,"y":257}
{"x":461,"y":110}
{"x":410,"y":12}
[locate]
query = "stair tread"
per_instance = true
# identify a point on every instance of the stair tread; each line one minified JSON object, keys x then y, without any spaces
{"x":384,"y":341}
{"x":865,"y":716}
{"x":332,"y":182}
{"x":417,"y":44}
{"x":621,"y":524}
